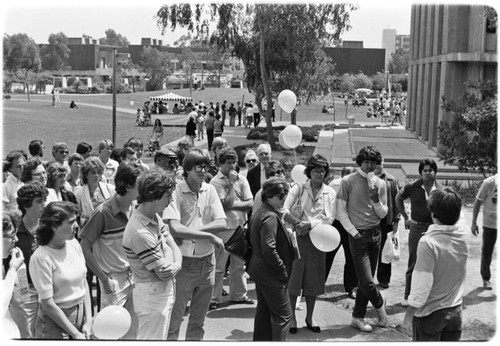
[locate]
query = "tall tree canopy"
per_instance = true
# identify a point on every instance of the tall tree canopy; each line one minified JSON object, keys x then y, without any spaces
{"x":21,"y":58}
{"x":114,"y":39}
{"x":155,"y":65}
{"x":279,"y":44}
{"x":55,"y":55}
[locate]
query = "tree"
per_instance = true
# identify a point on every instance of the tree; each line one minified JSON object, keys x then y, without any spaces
{"x":155,"y":65}
{"x":21,"y":57}
{"x":399,"y":62}
{"x":55,"y":55}
{"x":470,"y":139}
{"x":133,"y":70}
{"x":277,"y":43}
{"x":114,"y":39}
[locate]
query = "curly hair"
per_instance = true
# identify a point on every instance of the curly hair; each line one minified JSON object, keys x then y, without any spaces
{"x":91,"y":164}
{"x":10,"y":220}
{"x":368,"y":153}
{"x":54,"y":169}
{"x":53,"y":216}
{"x":27,"y":193}
{"x":153,"y":184}
{"x":315,"y":162}
{"x":274,"y":186}
{"x":31,"y":165}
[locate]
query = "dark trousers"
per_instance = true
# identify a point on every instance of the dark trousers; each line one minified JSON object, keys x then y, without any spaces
{"x":384,"y":270}
{"x":273,"y":314}
{"x":365,"y":251}
{"x":441,"y":325}
{"x":350,"y":276}
{"x":210,"y":138}
{"x":256,"y":119}
{"x":489,"y":240}
{"x":239,"y":119}
{"x":417,"y":229}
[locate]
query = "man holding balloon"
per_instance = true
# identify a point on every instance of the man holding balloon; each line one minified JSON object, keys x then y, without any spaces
{"x":361,"y":204}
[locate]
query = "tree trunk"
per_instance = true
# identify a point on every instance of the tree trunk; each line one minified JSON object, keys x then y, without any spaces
{"x":265,"y":84}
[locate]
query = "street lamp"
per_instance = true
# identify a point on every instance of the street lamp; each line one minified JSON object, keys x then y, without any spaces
{"x":114,"y":97}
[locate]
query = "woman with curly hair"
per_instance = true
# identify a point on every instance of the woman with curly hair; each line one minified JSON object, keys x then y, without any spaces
{"x":93,"y":191}
{"x":34,"y":172}
{"x":57,"y":185}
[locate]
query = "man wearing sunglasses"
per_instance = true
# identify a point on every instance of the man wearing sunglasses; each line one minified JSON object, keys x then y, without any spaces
{"x":236,"y":198}
{"x":168,"y":161}
{"x":196,"y":216}
{"x":257,"y":175}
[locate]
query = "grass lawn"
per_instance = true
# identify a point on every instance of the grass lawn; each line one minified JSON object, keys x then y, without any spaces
{"x":23,"y":121}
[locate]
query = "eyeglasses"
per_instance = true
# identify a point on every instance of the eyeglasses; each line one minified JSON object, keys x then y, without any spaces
{"x":37,"y":174}
{"x":251,"y":161}
{"x":277,"y":172}
{"x":60,"y":175}
{"x":318,"y":172}
{"x":282,"y":196}
{"x":199,"y":168}
{"x":63,"y":151}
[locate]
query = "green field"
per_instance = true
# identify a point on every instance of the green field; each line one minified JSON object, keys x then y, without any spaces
{"x":23,"y":121}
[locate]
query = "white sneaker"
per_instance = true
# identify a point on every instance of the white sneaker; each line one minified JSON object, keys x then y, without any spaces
{"x":383,"y":320}
{"x":405,"y":303}
{"x":360,"y":324}
{"x":487,"y":285}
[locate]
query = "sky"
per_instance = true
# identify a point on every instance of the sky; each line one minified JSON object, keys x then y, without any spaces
{"x":39,"y":19}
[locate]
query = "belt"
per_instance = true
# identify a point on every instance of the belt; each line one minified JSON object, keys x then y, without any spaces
{"x":418,"y":223}
{"x":199,"y":258}
{"x":363,"y":231}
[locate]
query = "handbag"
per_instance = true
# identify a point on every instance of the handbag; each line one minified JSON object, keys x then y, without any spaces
{"x":391,"y":251}
{"x":239,"y":243}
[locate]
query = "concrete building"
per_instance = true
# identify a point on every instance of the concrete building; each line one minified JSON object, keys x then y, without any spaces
{"x":403,"y":43}
{"x":388,"y":43}
{"x":451,"y":44}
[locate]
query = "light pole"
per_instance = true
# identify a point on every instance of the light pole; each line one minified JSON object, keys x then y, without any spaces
{"x":114,"y":97}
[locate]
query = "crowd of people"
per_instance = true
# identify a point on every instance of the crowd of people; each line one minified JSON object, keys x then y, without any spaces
{"x":152,"y":239}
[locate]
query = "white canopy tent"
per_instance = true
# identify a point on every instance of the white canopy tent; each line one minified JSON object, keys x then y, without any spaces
{"x":171,"y":97}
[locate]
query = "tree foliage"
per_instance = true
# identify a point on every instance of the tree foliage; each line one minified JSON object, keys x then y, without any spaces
{"x":399,"y":62}
{"x":55,"y":55}
{"x":155,"y":65}
{"x":470,"y":139}
{"x":114,"y":39}
{"x":21,"y":57}
{"x":285,"y":39}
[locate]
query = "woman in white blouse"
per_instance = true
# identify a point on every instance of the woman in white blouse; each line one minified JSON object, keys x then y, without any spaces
{"x":307,"y":206}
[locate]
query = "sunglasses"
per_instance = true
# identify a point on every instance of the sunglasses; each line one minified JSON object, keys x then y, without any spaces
{"x":277,"y":172}
{"x":63,"y":152}
{"x":199,"y":168}
{"x":251,"y":161}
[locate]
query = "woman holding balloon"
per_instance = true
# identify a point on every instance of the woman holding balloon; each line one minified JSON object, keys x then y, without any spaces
{"x":308,"y":206}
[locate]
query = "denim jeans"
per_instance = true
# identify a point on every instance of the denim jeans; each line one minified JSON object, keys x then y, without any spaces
{"x":46,"y":328}
{"x":417,"y":229}
{"x":23,"y":309}
{"x":441,"y":325}
{"x":195,"y":281}
{"x":122,"y":297}
{"x":237,"y":279}
{"x":153,"y":302}
{"x":365,"y":252}
{"x":273,"y":315}
{"x":489,"y":240}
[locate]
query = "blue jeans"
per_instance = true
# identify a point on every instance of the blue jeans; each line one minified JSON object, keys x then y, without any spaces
{"x":441,"y":325}
{"x":46,"y":328}
{"x":195,"y":281}
{"x":23,"y":309}
{"x":417,"y":229}
{"x":364,"y":252}
{"x":153,"y":303}
{"x":489,"y":240}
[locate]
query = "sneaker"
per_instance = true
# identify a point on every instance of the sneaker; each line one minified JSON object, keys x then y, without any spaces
{"x":487,"y":285}
{"x":405,"y":303}
{"x":383,"y":285}
{"x":360,"y":324}
{"x":213,"y":306}
{"x":383,"y":320}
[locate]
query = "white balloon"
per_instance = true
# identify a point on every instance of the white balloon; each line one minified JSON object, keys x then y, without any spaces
{"x":282,"y":142}
{"x":131,"y":103}
{"x":287,"y":100}
{"x":111,"y":323}
{"x":298,"y":175}
{"x":325,"y":238}
{"x":292,"y":136}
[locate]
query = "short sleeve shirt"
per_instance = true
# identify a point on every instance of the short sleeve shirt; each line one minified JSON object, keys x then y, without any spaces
{"x":194,"y":210}
{"x":488,"y":195}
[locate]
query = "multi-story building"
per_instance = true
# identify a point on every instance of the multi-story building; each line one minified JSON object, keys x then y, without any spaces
{"x":403,"y":43}
{"x":451,"y":44}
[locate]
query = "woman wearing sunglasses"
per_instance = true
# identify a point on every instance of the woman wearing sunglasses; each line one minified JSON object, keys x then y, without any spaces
{"x":251,"y":160}
{"x":307,"y":206}
{"x":273,"y":169}
{"x":271,"y":264}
